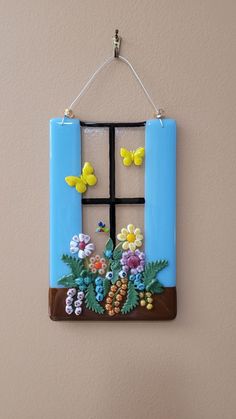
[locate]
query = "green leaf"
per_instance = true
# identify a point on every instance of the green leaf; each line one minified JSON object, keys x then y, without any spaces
{"x":67,"y":281}
{"x":152,"y":268}
{"x":106,"y":285}
{"x":91,"y":302}
{"x":109,"y":245}
{"x":115,"y":275}
{"x":132,"y":299}
{"x":156,"y":288}
{"x":83,"y":273}
{"x":117,"y":251}
{"x":76,"y":265}
{"x":151,"y":271}
{"x":115,"y":265}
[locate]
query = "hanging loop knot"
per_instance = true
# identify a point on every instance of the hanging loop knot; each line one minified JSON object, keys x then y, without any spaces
{"x":159,"y":114}
{"x":69,"y":113}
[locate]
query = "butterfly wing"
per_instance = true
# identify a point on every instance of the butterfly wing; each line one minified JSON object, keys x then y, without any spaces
{"x":80,"y":186}
{"x":87,"y":169}
{"x":71,"y":180}
{"x":76,"y":181}
{"x":138,"y":156}
{"x":127,"y":157}
{"x":88,"y":174}
{"x":91,"y":180}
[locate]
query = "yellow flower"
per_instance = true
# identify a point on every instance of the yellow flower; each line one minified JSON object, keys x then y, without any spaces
{"x":131,"y":237}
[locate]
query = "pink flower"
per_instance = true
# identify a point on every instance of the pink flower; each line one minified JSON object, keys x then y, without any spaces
{"x":133,"y":261}
{"x":80,"y":244}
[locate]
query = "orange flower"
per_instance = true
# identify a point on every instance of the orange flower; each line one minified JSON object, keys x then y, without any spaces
{"x":97,"y":264}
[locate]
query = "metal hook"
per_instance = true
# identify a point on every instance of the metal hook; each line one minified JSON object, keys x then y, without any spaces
{"x":116,"y":44}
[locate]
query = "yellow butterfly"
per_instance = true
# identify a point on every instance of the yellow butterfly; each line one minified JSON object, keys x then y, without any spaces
{"x":86,"y":178}
{"x":130,"y":157}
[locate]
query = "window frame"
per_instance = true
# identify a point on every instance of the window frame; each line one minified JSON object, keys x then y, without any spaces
{"x":112,"y":201}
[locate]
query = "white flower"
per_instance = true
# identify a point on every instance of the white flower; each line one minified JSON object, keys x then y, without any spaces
{"x":78,"y":311}
{"x":122,"y":274}
{"x":69,"y":301}
{"x":69,"y":310}
{"x":80,"y":295}
{"x":80,"y":244}
{"x":109,"y":275}
{"x":78,"y":303}
{"x":71,"y":292}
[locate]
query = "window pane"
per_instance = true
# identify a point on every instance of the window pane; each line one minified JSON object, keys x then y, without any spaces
{"x":95,"y":149}
{"x":92,"y":214}
{"x":129,"y":180}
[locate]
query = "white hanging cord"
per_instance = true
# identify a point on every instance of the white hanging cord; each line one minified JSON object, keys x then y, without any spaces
{"x":140,"y":82}
{"x":86,"y":86}
{"x":68,"y":112}
{"x":159,"y":113}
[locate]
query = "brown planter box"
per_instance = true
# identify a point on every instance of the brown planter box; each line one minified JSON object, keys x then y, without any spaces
{"x":164,"y":308}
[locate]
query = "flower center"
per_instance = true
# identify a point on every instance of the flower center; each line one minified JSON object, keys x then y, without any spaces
{"x":82,"y":245}
{"x":131,"y":237}
{"x":98,"y":265}
{"x":133,"y":262}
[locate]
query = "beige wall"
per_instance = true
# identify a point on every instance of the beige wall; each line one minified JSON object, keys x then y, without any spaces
{"x":183,"y":50}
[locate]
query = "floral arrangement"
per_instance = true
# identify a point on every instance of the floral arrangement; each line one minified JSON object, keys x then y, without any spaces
{"x":114,"y":283}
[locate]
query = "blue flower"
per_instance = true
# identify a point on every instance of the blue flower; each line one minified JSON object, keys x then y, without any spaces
{"x":137,"y":282}
{"x":98,"y":281}
{"x":141,"y":286}
{"x":99,"y":297}
{"x":83,"y":287}
{"x":101,"y":224}
{"x":132,"y":278}
{"x":99,"y":289}
{"x":108,"y":254}
{"x":79,"y":281}
{"x":87,"y":280}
